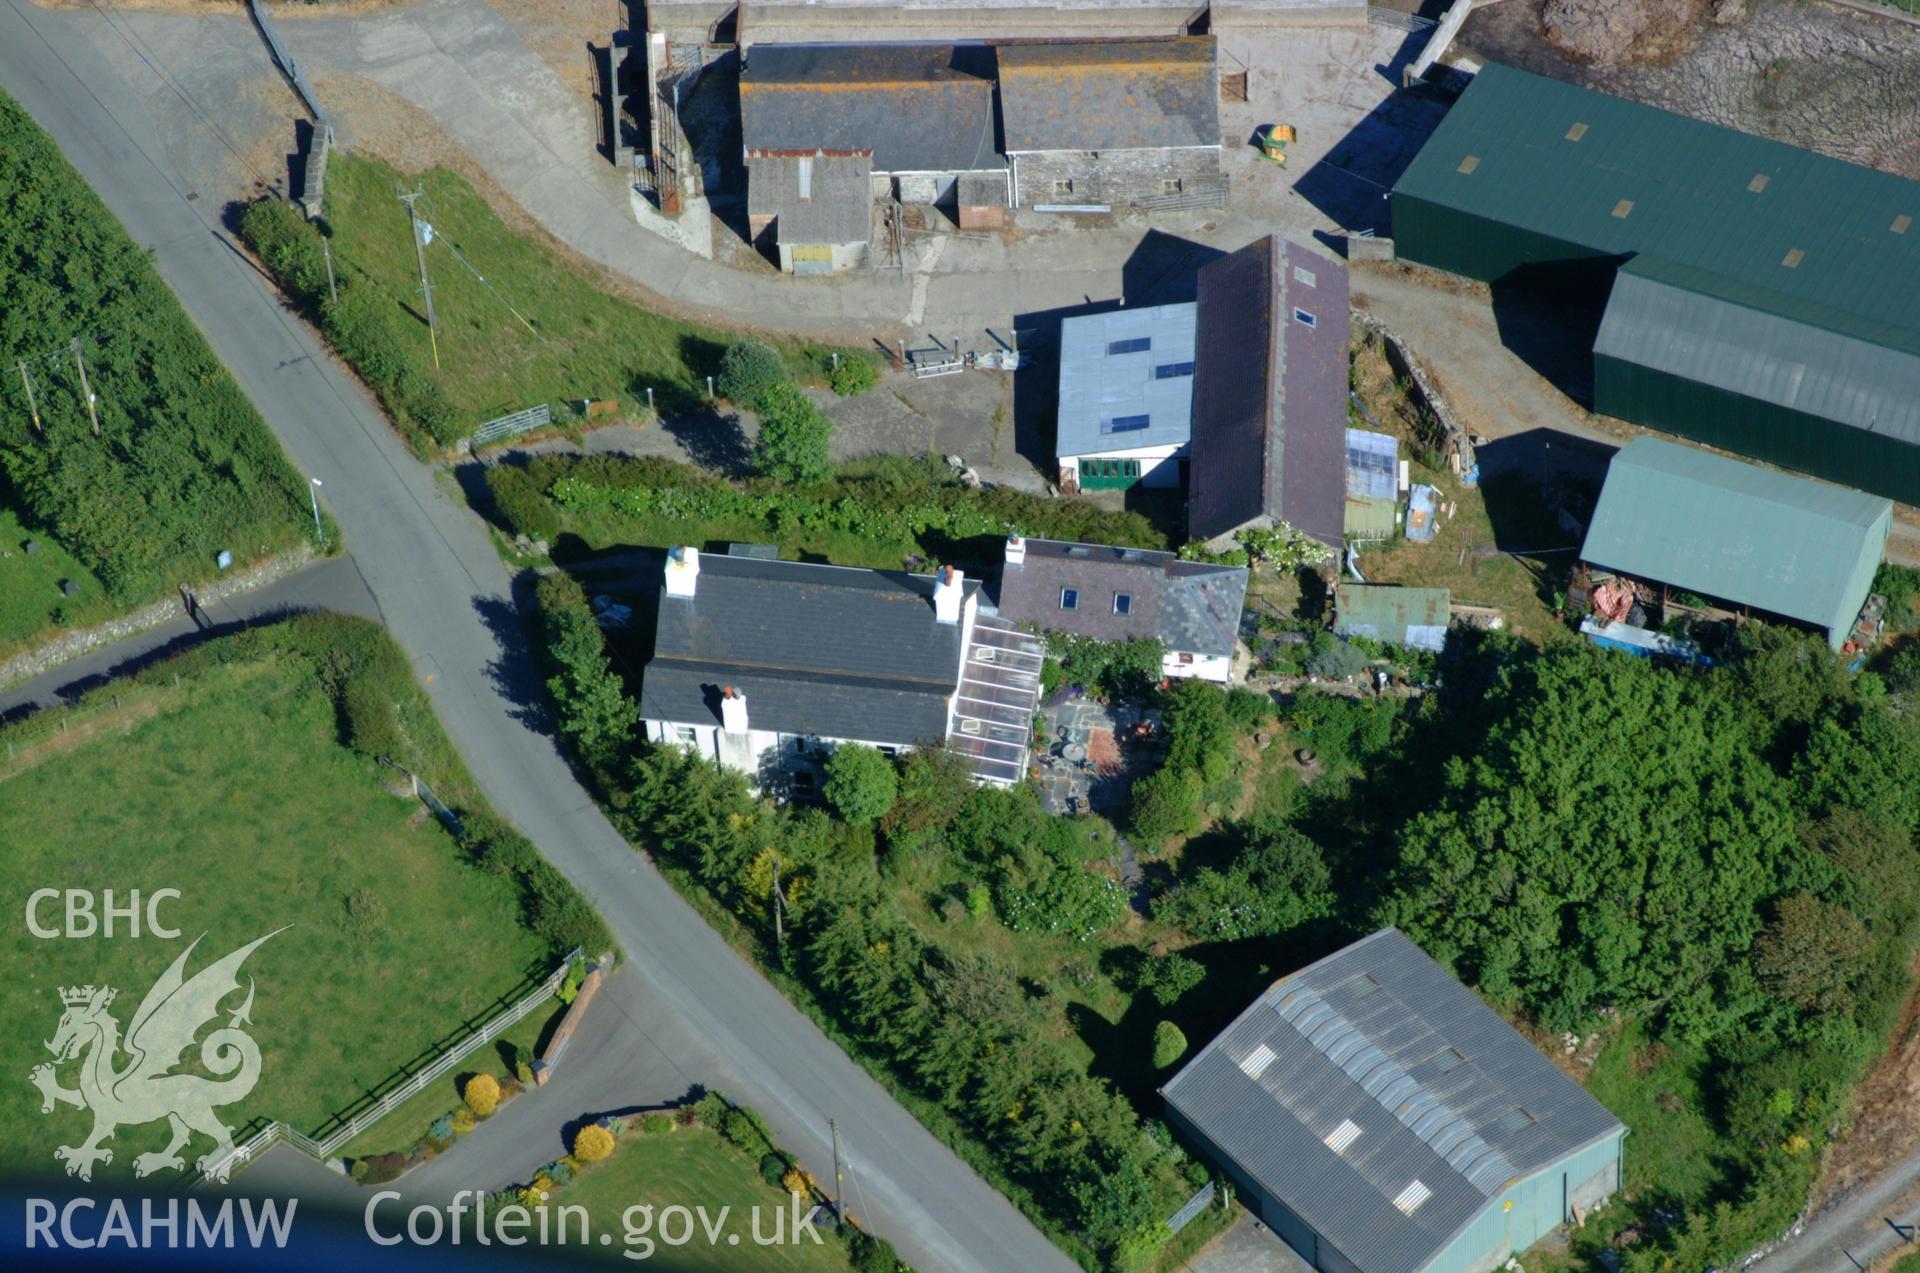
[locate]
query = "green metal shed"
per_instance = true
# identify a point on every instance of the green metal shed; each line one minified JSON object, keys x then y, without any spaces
{"x":1763,"y":296}
{"x":1398,"y":616}
{"x":1738,"y":532}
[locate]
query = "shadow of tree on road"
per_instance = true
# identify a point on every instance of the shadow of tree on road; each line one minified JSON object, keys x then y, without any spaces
{"x":515,"y":672}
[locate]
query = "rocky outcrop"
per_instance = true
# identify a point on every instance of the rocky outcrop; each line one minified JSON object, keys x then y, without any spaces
{"x":1610,"y":32}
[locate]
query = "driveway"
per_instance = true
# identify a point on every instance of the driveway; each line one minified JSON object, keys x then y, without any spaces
{"x":446,"y":598}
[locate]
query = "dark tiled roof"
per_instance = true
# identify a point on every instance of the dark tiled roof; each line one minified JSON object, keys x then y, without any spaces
{"x":1110,"y":94}
{"x":1381,"y":1036}
{"x":819,"y":650}
{"x":1270,"y":388}
{"x":916,"y":107}
{"x":838,"y":207}
{"x":1186,"y":605}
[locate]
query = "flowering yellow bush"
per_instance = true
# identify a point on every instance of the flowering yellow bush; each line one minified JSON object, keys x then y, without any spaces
{"x":798,"y":1180}
{"x":482,"y":1094}
{"x":462,"y":1121}
{"x":592,"y":1143}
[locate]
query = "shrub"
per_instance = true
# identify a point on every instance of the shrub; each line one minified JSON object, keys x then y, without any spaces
{"x":1167,"y":977}
{"x":1331,"y":659}
{"x":1169,"y":1045}
{"x":482,"y":1094}
{"x":379,"y":1169}
{"x":862,"y":783}
{"x":519,"y":504}
{"x":711,"y":1109}
{"x":1165,"y":804}
{"x":748,"y":369}
{"x":523,"y":1071}
{"x":656,"y":1124}
{"x":799,"y":1182}
{"x":746,"y":1129}
{"x":1279,"y":881}
{"x":592,"y":1143}
{"x":853,"y":377}
{"x":1903,"y":671}
{"x":869,"y":1254}
{"x":442,"y":1129}
{"x":792,"y":446}
{"x":462,"y":1121}
{"x":590,"y":702}
{"x":773,"y":1167}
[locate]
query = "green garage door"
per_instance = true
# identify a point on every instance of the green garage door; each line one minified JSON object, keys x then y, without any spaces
{"x":1108,"y":475}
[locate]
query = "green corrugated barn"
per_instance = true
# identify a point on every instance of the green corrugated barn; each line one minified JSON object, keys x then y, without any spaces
{"x":1737,"y":532}
{"x":1761,"y":296}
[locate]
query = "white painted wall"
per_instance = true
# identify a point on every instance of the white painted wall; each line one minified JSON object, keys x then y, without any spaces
{"x":1206,"y":667}
{"x":1156,"y":470}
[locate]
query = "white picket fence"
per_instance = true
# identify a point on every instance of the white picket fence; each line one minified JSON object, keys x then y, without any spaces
{"x":325,"y":1147}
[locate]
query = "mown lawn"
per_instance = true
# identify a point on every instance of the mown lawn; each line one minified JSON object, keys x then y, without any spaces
{"x":30,"y":598}
{"x":692,"y":1167}
{"x":577,"y":340}
{"x":397,"y":1132}
{"x":230,"y":786}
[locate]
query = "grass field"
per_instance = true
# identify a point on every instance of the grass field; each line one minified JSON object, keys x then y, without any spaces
{"x":693,"y":1167}
{"x":231,"y":787}
{"x":519,"y":325}
{"x":397,"y":1132}
{"x":30,"y":598}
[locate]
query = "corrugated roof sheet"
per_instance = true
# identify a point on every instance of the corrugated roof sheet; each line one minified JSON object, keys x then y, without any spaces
{"x":1098,"y":387}
{"x":1724,"y":528}
{"x":821,"y":650}
{"x":1400,"y":616}
{"x":917,"y":107}
{"x":1271,"y":341}
{"x":1621,"y":179}
{"x":837,"y":206}
{"x":1373,"y":465}
{"x":1110,"y":94}
{"x":1689,"y":322}
{"x":1380,"y":1036}
{"x":1186,"y":605}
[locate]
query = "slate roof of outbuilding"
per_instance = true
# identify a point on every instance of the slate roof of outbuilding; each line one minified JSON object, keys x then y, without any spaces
{"x":1188,"y":606}
{"x":839,"y":203}
{"x":1109,"y":94}
{"x":1270,"y":392}
{"x":1380,"y":1035}
{"x":916,"y":107}
{"x":821,"y":650}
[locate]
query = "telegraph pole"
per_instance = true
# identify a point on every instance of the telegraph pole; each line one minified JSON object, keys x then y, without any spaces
{"x":779,"y":909}
{"x":426,"y":287}
{"x":839,"y":1204}
{"x":84,"y":388}
{"x":34,"y":407}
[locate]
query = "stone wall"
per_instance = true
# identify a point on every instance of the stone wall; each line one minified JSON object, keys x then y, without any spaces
{"x":1115,"y":177}
{"x":22,"y":667}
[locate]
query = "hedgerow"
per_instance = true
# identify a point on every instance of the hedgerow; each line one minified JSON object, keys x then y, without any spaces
{"x":183,"y":466}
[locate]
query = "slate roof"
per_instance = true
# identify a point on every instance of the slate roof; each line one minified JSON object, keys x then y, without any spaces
{"x":1739,"y":532}
{"x":838,"y":202}
{"x":1829,"y":243}
{"x":1097,"y":387}
{"x":821,"y":650}
{"x":1270,"y":392}
{"x":1380,"y":1035}
{"x":915,"y":107}
{"x":1188,"y":606}
{"x":1110,"y":94}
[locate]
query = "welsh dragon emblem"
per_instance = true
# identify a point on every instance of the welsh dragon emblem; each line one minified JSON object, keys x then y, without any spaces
{"x":142,"y":1090}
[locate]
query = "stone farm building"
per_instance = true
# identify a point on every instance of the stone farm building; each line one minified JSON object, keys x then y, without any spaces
{"x":1114,"y":594}
{"x":976,"y":129}
{"x":766,"y":666}
{"x":1270,"y":394}
{"x":1759,"y":297}
{"x":1380,"y":1118}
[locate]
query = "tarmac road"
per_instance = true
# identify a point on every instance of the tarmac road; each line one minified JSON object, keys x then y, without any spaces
{"x":447,"y":599}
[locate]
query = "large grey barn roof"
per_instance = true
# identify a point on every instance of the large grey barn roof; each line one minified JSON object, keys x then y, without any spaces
{"x":1109,"y":94}
{"x":1690,"y":322}
{"x":1380,"y":1035}
{"x":916,"y":107}
{"x":1270,"y":392}
{"x":1187,"y":605}
{"x":821,"y":650}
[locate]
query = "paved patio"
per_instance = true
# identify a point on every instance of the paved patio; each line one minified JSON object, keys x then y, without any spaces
{"x":1094,"y":752}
